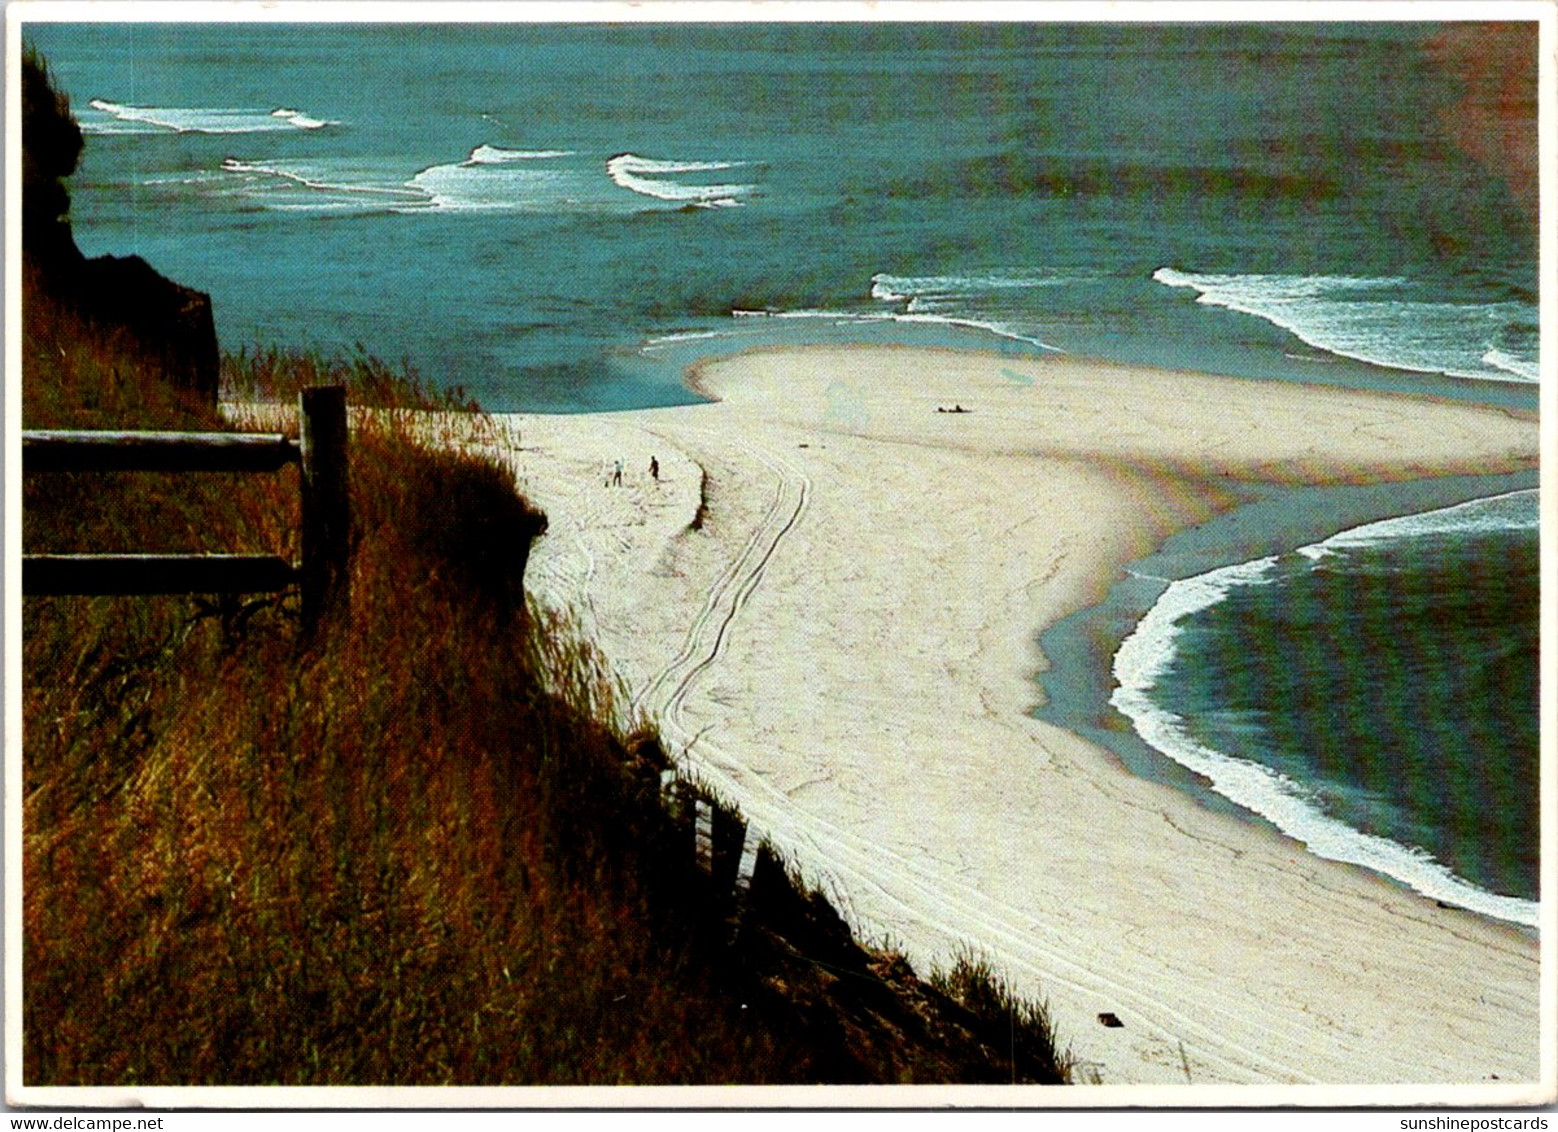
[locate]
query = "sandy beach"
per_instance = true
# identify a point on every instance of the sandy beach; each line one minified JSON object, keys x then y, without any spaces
{"x":829,"y":603}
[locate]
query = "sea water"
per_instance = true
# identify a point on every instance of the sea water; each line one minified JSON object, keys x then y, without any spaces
{"x":562,"y":217}
{"x":556,"y":217}
{"x":1373,"y":694}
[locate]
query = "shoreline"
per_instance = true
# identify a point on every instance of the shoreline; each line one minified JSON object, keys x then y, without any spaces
{"x":1082,"y":647}
{"x":891,"y":756}
{"x":1503,"y":392}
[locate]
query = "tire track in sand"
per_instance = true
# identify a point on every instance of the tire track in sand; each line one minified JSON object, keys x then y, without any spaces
{"x":848,"y":862}
{"x":707,"y":635}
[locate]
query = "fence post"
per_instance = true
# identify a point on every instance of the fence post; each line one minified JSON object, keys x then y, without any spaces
{"x":326,"y":510}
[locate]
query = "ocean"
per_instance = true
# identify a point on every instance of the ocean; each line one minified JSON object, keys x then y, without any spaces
{"x":560,"y":218}
{"x":1373,"y":694}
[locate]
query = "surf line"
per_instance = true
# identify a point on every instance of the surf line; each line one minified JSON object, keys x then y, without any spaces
{"x":1149,"y":650}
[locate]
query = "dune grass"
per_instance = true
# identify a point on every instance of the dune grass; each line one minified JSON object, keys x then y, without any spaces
{"x":425,"y":845}
{"x":414,"y":851}
{"x":386,"y":858}
{"x":1005,"y":1020}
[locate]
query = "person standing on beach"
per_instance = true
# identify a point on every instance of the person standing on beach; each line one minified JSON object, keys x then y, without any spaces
{"x":654,"y":468}
{"x":616,"y":476}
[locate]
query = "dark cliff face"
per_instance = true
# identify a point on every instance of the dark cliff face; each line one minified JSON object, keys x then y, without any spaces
{"x":172,"y":325}
{"x":51,"y":146}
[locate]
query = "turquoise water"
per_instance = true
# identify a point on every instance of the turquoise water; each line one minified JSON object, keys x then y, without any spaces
{"x":560,"y":218}
{"x":532,"y":210}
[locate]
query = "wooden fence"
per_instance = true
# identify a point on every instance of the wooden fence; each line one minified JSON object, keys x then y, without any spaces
{"x":326,"y":517}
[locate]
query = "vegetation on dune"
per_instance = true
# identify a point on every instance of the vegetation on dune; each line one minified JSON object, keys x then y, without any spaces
{"x":414,"y":848}
{"x":1024,"y":1027}
{"x":411,"y":853}
{"x":270,"y":373}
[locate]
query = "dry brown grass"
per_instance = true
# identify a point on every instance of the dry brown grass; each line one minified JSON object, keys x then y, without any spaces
{"x":408,"y":849}
{"x":412,"y":851}
{"x":384,"y":859}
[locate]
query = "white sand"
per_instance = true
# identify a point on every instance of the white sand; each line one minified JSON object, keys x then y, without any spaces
{"x":846,"y":649}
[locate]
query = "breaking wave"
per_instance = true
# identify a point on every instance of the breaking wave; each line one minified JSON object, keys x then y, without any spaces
{"x":651,"y":178}
{"x":201,"y":120}
{"x":1147,"y":656}
{"x":492,"y":155}
{"x":1385,"y":320}
{"x":336,"y":192}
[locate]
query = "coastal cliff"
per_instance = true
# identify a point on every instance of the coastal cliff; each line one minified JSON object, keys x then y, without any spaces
{"x":415,"y":852}
{"x":166,"y":328}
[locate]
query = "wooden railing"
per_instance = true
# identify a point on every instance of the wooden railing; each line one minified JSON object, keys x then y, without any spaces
{"x":320,"y":452}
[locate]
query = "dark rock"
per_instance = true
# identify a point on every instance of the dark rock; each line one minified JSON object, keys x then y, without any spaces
{"x":51,"y":146}
{"x":170,"y":323}
{"x":169,"y":326}
{"x":1110,"y":1020}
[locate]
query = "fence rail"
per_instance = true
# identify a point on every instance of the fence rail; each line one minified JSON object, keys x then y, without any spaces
{"x":61,"y":574}
{"x":58,"y":451}
{"x":321,"y":455}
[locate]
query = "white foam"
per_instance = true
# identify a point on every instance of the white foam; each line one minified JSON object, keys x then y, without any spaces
{"x":1278,"y":286}
{"x":632,"y":163}
{"x":840,"y":317}
{"x":512,"y":181}
{"x":670,"y":341}
{"x":1139,"y":666}
{"x":202,"y":178}
{"x":302,"y":121}
{"x":844,"y":318}
{"x":881,"y":291}
{"x":102,"y":123}
{"x":1145,"y":656}
{"x":308,"y":178}
{"x":1374,"y":319}
{"x":982,"y":300}
{"x":1316,"y":552}
{"x":489,"y":179}
{"x":299,"y":119}
{"x":684,"y":336}
{"x":317,"y":206}
{"x":899,"y":288}
{"x":1512,"y":511}
{"x":492,"y":155}
{"x":649,"y":177}
{"x":1520,"y":367}
{"x":210,"y":120}
{"x":999,"y":329}
{"x":1378,"y":320}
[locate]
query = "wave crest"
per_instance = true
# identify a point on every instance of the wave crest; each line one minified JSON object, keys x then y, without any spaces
{"x":991,"y":300}
{"x":209,"y":120}
{"x":335,"y":192}
{"x":493,"y":155}
{"x":650,"y":177}
{"x":1512,"y":511}
{"x":1385,"y":321}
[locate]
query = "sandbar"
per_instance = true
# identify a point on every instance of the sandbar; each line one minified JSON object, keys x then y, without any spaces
{"x":830,"y":600}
